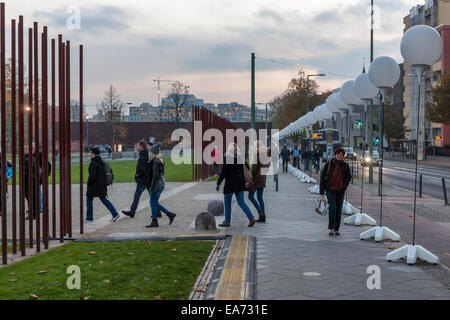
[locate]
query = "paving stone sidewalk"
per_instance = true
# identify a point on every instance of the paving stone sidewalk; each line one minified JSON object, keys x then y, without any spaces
{"x":296,"y":258}
{"x":295,"y":242}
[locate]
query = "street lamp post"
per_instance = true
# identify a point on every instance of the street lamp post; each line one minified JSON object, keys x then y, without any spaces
{"x":384,"y":73}
{"x":366,"y":91}
{"x":421,"y":47}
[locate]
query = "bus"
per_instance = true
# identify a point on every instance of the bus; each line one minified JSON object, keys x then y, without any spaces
{"x":326,"y":140}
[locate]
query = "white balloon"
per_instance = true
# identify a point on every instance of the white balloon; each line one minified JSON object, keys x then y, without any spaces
{"x":348,"y":94}
{"x":340,"y":103}
{"x":384,"y":72}
{"x":421,"y":45}
{"x":364,"y":88}
{"x":330,"y":104}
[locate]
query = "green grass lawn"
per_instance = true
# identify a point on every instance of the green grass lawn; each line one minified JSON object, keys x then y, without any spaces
{"x":127,"y":270}
{"x":125,"y":170}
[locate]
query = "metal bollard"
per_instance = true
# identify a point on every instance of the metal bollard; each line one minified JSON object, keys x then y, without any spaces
{"x":444,"y":189}
{"x":420,"y":186}
{"x":276,"y":182}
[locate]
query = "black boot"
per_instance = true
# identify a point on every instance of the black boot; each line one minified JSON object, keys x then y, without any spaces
{"x":262,"y":217}
{"x":154,"y":224}
{"x":171,"y":217}
{"x":128,"y":213}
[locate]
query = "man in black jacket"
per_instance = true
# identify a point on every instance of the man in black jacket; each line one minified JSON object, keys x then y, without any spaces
{"x":97,"y":186}
{"x":285,"y":153}
{"x":142,"y":177}
{"x":334,"y":180}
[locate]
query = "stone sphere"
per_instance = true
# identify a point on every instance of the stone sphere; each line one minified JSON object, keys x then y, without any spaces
{"x":205,"y":221}
{"x":215,"y":207}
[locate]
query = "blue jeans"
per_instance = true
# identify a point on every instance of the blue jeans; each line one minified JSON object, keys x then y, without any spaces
{"x":241,"y":203}
{"x":215,"y":169}
{"x":105,"y":201}
{"x":259,"y":205}
{"x":137,"y":195}
{"x":335,"y":201}
{"x":307,"y":162}
{"x":155,"y":205}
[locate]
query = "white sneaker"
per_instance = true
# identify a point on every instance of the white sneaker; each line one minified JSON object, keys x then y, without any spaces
{"x":115,"y":218}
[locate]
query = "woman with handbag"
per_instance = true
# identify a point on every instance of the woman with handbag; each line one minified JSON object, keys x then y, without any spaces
{"x":233,"y":172}
{"x":259,"y":154}
{"x":334,"y":180}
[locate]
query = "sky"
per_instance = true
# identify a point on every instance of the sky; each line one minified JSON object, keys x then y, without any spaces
{"x":206,"y":44}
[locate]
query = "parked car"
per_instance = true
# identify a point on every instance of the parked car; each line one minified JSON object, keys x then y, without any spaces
{"x":350,"y":154}
{"x":365,"y":160}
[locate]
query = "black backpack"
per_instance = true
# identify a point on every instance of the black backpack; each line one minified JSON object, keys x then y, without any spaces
{"x":109,"y":175}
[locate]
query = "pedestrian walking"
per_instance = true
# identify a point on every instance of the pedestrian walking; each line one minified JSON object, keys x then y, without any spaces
{"x":307,"y":156}
{"x":275,"y":156}
{"x":259,"y":155}
{"x":157,"y":185}
{"x":216,"y":157}
{"x":8,"y":174}
{"x":317,"y":157}
{"x":295,"y":153}
{"x":141,"y":177}
{"x":97,"y":186}
{"x":334,"y":180}
{"x":34,"y":168}
{"x":285,"y":157}
{"x":233,"y":174}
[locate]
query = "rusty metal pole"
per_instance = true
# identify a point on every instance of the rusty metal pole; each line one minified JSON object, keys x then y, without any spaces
{"x":81,"y":139}
{"x":62,"y":157}
{"x":68,"y":140}
{"x":13,"y":135}
{"x":37,"y":159}
{"x":3,"y":132}
{"x":21,"y":141}
{"x":45,"y":232}
{"x":31,"y":213}
{"x":53,"y":143}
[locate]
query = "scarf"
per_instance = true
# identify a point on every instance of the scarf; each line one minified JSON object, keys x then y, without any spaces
{"x":337,"y":180}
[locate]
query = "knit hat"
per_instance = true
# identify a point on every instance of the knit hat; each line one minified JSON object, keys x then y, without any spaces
{"x":339,"y":150}
{"x":155,"y":148}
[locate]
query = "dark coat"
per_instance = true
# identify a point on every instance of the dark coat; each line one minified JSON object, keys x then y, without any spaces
{"x":33,"y":171}
{"x":156,"y":177}
{"x":233,"y":173}
{"x":97,"y":185}
{"x":285,"y":153}
{"x":259,"y":179}
{"x":142,"y":168}
{"x":325,"y":181}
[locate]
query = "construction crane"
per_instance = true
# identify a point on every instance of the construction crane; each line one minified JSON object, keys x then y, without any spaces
{"x":159,"y":87}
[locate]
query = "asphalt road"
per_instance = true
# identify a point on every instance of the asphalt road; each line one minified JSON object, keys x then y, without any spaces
{"x":401,"y":174}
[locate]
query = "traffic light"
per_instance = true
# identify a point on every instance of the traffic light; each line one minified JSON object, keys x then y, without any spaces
{"x":377,"y":140}
{"x":359,"y":123}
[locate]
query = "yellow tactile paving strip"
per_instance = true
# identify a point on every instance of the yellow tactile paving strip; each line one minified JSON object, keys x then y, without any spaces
{"x":232,"y":282}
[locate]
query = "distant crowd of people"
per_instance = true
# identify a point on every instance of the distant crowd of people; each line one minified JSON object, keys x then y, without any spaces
{"x":305,"y":156}
{"x":30,"y":189}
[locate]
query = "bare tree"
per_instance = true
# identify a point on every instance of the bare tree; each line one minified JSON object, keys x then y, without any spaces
{"x":112,"y":108}
{"x":179,"y":95}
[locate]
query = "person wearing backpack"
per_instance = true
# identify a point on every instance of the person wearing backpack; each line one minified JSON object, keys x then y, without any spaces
{"x":334,"y":180}
{"x":141,"y":177}
{"x":157,"y":185}
{"x":97,"y":186}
